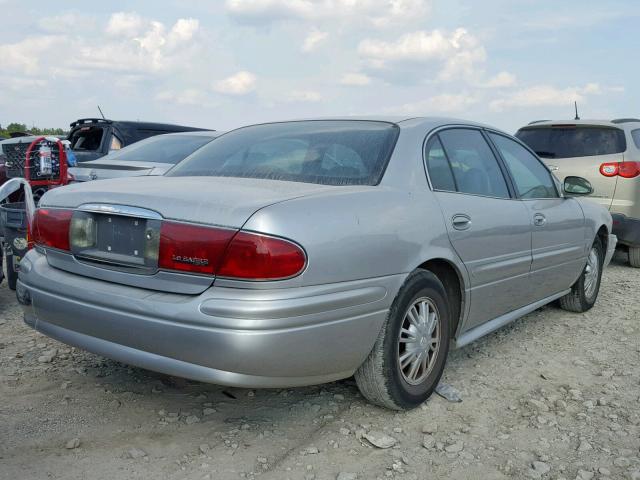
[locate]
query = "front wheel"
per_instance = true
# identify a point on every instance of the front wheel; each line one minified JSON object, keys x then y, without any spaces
{"x":409,"y":356}
{"x":634,"y":256}
{"x":584,"y":292}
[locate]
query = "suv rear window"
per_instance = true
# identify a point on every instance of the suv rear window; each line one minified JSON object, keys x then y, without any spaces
{"x":573,"y":141}
{"x":86,"y":139}
{"x":348,"y":152}
{"x":636,"y":137}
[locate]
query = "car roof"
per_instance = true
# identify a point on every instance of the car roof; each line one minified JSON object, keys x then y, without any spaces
{"x":404,"y":122}
{"x":617,"y":123}
{"x":130,"y":124}
{"x":196,"y":133}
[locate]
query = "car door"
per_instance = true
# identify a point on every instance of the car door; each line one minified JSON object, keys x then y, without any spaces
{"x":558,"y":226}
{"x":489,"y":230}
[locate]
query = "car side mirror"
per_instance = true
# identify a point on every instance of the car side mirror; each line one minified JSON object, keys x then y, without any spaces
{"x":577,"y":186}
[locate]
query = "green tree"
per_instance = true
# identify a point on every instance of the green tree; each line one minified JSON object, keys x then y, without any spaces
{"x":16,"y":127}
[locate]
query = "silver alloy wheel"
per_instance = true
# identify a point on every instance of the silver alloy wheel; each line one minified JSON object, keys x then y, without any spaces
{"x":591,"y":273}
{"x":419,"y":341}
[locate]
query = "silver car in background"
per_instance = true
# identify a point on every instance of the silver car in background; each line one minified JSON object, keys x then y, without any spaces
{"x":152,"y":156}
{"x":298,"y":253}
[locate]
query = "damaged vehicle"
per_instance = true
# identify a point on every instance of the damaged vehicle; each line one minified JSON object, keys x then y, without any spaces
{"x":152,"y":156}
{"x":92,"y":138}
{"x":298,"y":253}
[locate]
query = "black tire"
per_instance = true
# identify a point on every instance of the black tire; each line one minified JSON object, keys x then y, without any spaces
{"x":12,"y":275}
{"x":578,"y":300}
{"x":634,"y":257}
{"x":380,"y":378}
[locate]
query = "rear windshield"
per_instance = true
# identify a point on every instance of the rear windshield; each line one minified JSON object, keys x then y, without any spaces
{"x":636,"y":137}
{"x":325,"y":152}
{"x":160,"y":149}
{"x":572,"y":141}
{"x":86,"y":139}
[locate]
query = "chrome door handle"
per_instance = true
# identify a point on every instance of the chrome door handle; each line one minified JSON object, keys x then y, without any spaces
{"x":461,"y":222}
{"x":539,"y":220}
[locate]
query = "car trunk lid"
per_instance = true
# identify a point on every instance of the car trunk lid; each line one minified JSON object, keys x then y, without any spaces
{"x":125,"y":218}
{"x":98,"y":170}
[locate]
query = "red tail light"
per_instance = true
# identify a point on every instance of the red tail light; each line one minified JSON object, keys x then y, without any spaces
{"x":629,"y":169}
{"x":251,"y":256}
{"x":622,"y":169}
{"x":225,"y":253}
{"x":51,"y":228}
{"x":192,"y":248}
{"x":197,"y":249}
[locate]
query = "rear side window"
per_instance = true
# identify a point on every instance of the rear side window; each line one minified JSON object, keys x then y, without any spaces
{"x":440,"y":172}
{"x":531,"y":178}
{"x":475,"y":167}
{"x":86,"y":139}
{"x":346,"y":152}
{"x":573,"y":141}
{"x":636,"y":137}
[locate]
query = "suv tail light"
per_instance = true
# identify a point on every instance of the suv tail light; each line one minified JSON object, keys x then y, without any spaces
{"x":51,"y":227}
{"x":622,"y":169}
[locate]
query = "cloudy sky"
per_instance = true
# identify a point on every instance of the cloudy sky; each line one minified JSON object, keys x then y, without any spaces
{"x":226,"y":63}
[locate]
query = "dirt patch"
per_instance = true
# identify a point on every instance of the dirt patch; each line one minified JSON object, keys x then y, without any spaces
{"x":554,"y":395}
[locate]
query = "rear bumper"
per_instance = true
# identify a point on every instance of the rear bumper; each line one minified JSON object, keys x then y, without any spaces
{"x":627,"y":230}
{"x":230,"y":336}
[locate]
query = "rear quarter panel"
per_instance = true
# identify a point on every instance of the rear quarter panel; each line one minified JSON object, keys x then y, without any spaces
{"x":357,"y":234}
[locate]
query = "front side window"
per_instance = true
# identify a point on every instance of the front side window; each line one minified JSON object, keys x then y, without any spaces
{"x":475,"y":167}
{"x":348,"y":152}
{"x":531,"y":178}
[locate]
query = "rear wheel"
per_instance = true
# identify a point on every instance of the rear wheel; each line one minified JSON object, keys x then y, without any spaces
{"x":634,"y":256}
{"x":12,"y":275}
{"x":408,"y":359}
{"x":584,"y":292}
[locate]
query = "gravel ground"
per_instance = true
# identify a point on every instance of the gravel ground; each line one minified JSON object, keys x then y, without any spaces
{"x":554,"y":395}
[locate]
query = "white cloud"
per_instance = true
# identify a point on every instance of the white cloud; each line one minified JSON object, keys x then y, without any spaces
{"x":313,"y":40}
{"x":545,"y":96}
{"x":25,"y":56}
{"x":128,"y":44}
{"x":189,"y":96}
{"x":305,"y":96}
{"x":241,"y":83}
{"x":66,"y":22}
{"x":380,"y":13}
{"x":183,"y":30}
{"x":445,"y":103}
{"x":501,"y":80}
{"x":458,"y":51}
{"x":124,"y":23}
{"x":355,"y":79}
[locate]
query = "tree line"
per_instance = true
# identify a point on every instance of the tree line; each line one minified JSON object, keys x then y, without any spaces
{"x":21,"y":127}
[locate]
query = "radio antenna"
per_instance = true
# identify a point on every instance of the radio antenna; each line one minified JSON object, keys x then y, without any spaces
{"x":104,"y":118}
{"x":577,"y":116}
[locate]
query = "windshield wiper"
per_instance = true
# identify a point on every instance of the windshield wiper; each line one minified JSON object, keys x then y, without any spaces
{"x":546,"y":154}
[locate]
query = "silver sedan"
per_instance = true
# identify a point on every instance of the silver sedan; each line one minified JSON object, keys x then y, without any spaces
{"x":298,"y":253}
{"x":151,"y":156}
